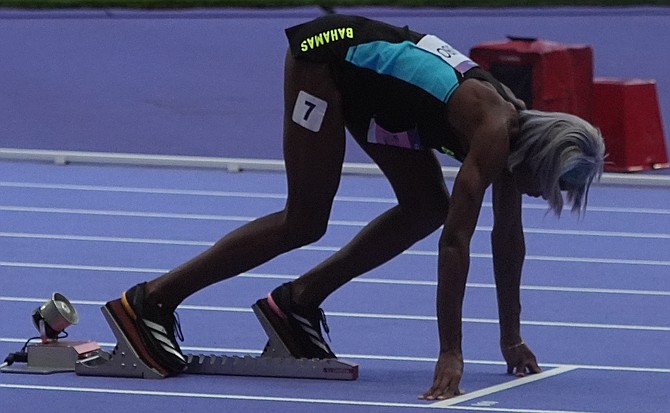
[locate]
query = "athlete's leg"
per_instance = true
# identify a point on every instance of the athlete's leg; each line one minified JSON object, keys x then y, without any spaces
{"x":313,"y":154}
{"x":423,"y":201}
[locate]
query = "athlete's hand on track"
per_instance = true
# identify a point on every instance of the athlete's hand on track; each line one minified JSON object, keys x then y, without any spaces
{"x":448,"y":373}
{"x":520,"y":360}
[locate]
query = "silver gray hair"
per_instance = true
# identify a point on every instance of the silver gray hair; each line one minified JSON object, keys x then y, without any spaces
{"x":561,"y":151}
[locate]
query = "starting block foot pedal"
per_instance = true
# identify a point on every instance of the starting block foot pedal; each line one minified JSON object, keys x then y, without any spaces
{"x":275,"y":361}
{"x":123,"y":361}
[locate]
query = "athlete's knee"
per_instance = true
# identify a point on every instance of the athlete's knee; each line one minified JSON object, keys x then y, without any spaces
{"x":440,"y":209}
{"x":428,"y":213}
{"x":301,"y":235}
{"x":305,"y":229}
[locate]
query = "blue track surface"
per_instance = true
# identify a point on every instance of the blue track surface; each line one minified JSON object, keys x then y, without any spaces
{"x":208,"y":82}
{"x":596,"y":295}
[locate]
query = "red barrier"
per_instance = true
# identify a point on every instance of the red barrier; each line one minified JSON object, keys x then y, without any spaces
{"x":627,"y":113}
{"x":546,"y":75}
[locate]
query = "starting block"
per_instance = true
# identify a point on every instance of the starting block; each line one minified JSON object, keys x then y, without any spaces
{"x":275,"y":361}
{"x":53,"y":357}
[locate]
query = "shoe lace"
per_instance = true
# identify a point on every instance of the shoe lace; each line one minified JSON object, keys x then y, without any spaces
{"x":177,"y":327}
{"x":324,"y":324}
{"x":176,"y":323}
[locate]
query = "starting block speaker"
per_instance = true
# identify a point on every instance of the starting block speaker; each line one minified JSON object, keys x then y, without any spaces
{"x":627,"y":113}
{"x":546,"y":75}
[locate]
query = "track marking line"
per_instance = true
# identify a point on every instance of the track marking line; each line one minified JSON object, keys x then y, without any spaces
{"x":363,"y":280}
{"x":505,"y":386}
{"x":378,"y":357}
{"x":344,"y":223}
{"x":77,"y":237}
{"x":270,"y":398}
{"x":214,"y":193}
{"x":381,"y":316}
{"x":332,"y":249}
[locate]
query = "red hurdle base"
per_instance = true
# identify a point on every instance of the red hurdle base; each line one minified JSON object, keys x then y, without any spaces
{"x":627,"y":113}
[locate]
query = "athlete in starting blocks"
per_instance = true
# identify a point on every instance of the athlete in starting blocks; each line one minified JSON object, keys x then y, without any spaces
{"x":402,"y":95}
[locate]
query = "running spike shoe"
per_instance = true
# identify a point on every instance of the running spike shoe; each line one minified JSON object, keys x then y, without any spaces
{"x":151,"y":330}
{"x":297,"y":326}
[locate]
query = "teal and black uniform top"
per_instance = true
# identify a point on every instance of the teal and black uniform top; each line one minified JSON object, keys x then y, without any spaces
{"x":395,"y":82}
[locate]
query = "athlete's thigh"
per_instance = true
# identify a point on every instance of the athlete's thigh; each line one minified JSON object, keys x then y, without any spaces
{"x":415,"y":175}
{"x":314,"y":138}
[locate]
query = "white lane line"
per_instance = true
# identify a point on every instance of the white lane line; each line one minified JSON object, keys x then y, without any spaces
{"x":581,"y":290}
{"x":207,"y":395}
{"x":97,"y":238}
{"x":495,"y":321}
{"x":135,"y":214}
{"x":504,"y":386}
{"x":549,"y":288}
{"x":586,"y":233}
{"x":575,"y":325}
{"x":415,"y":359}
{"x":623,"y":210}
{"x":347,"y":223}
{"x":541,"y":231}
{"x":143,"y":190}
{"x":324,"y":248}
{"x":421,"y":283}
{"x":82,"y":267}
{"x":135,"y":392}
{"x":362,"y":280}
{"x":266,"y":195}
{"x":379,"y":316}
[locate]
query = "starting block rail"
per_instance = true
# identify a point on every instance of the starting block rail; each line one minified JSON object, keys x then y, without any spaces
{"x":275,"y":361}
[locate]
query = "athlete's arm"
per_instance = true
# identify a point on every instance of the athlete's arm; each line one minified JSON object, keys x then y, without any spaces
{"x":478,"y":112}
{"x":509,"y":250}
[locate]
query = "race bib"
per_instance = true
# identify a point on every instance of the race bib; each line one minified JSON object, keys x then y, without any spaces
{"x":309,"y":111}
{"x":442,"y":49}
